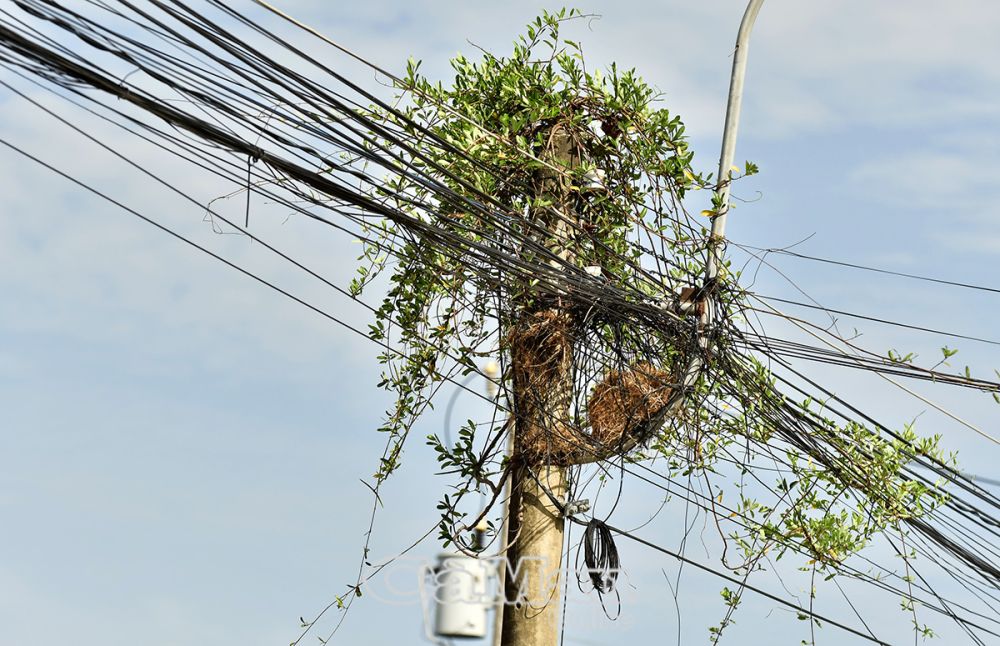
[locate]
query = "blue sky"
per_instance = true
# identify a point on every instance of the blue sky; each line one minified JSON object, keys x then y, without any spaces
{"x":181,"y":450}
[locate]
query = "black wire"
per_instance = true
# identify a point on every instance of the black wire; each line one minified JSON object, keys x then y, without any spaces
{"x":618,"y":305}
{"x":879,"y":320}
{"x":600,"y":555}
{"x":842,"y":263}
{"x":189,"y":125}
{"x":742,"y":584}
{"x":223,"y":260}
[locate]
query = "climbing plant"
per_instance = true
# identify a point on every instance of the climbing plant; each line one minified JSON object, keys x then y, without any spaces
{"x":544,"y":182}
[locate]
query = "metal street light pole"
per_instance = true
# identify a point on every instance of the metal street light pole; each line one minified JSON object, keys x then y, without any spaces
{"x":729,"y":137}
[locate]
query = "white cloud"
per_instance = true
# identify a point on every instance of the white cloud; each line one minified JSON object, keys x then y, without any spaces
{"x":945,"y":182}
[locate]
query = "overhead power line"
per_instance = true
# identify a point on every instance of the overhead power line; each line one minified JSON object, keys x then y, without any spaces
{"x":875,"y":319}
{"x":744,"y":585}
{"x":196,"y":89}
{"x":902,"y":274}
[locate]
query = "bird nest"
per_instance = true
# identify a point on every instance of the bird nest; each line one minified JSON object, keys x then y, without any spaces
{"x":541,"y":348}
{"x":629,"y":406}
{"x":624,"y":410}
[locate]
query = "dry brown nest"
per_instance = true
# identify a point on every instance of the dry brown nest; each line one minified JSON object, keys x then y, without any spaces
{"x":541,"y":347}
{"x":629,"y":406}
{"x":625,"y":409}
{"x":541,"y":350}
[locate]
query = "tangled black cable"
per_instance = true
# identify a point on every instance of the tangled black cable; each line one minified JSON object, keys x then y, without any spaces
{"x":300,"y":125}
{"x":600,"y":556}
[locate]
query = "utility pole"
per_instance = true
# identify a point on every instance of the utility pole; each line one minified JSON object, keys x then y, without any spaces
{"x":728,"y":153}
{"x":542,"y":367}
{"x":542,"y":364}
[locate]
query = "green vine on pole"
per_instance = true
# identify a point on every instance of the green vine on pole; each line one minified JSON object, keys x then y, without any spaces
{"x":841,"y":484}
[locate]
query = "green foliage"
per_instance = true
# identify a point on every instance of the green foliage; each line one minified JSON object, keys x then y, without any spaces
{"x":631,"y":167}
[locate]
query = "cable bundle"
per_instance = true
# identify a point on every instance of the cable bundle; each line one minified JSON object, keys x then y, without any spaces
{"x":600,"y":556}
{"x":186,"y":82}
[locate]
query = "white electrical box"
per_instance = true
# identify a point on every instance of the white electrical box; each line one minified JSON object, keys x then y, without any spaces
{"x":461,"y":596}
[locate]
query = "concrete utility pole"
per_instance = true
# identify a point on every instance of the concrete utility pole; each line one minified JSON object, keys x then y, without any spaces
{"x":535,"y":560}
{"x":541,"y":364}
